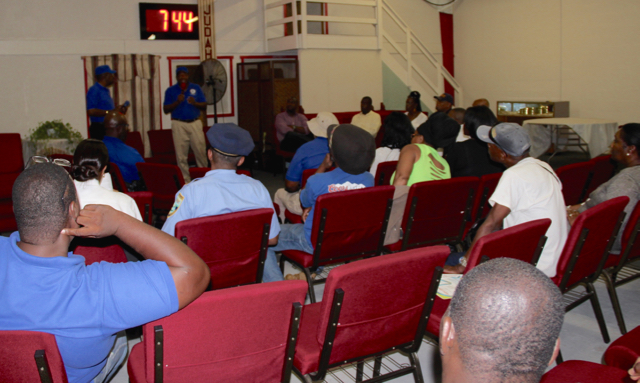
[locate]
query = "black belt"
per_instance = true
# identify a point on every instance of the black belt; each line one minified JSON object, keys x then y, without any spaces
{"x":177,"y":119}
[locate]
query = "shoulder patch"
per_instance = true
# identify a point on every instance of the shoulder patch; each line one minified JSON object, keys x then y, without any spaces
{"x":193,"y":91}
{"x":176,"y":204}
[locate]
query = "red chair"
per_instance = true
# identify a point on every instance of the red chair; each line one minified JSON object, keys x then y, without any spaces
{"x":200,"y":172}
{"x":294,"y":218}
{"x":602,"y":171}
{"x":237,"y":252}
{"x":585,"y":251}
{"x":164,"y":181}
{"x":10,"y":168}
{"x":617,"y":271}
{"x":436,"y":212}
{"x":585,"y":372}
{"x":369,"y":308}
{"x":162,"y":148}
{"x":575,"y":180}
{"x":481,"y":206}
{"x":624,"y":351}
{"x":99,"y":249}
{"x":244,"y":334}
{"x":347,"y":225}
{"x":384,"y":172}
{"x":144,"y":200}
{"x":117,"y":179}
{"x":30,"y":356}
{"x":134,"y":139}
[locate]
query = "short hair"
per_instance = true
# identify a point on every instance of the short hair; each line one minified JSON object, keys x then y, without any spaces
{"x":458,"y":114}
{"x":90,"y":157}
{"x":476,"y":116}
{"x":397,"y":131}
{"x":415,"y":96}
{"x":41,"y":198}
{"x":507,"y":316}
{"x":219,"y":157}
{"x":631,"y":134}
{"x":440,"y":131}
{"x":367,"y":98}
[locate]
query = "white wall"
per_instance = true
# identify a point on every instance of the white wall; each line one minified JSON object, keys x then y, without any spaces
{"x":582,"y":51}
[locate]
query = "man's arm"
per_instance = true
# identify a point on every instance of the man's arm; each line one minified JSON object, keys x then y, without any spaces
{"x":190,"y":274}
{"x":169,"y":105}
{"x":408,"y":157}
{"x":199,"y":105}
{"x":97,"y":112}
{"x":291,"y":186}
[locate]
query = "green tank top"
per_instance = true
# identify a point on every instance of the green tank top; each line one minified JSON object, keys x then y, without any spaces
{"x":425,"y":169}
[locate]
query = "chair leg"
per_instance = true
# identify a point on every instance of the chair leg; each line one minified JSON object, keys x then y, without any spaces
{"x":359,"y":371}
{"x":417,"y":370}
{"x":598,"y":312}
{"x":559,"y":358}
{"x":312,"y":293}
{"x":376,"y":366}
{"x":613,"y":294}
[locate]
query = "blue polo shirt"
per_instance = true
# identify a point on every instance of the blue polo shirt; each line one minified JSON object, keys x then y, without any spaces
{"x":83,"y":306}
{"x":331,"y":182}
{"x":184,"y":111}
{"x":124,"y":156}
{"x":308,"y":156}
{"x":98,"y":97}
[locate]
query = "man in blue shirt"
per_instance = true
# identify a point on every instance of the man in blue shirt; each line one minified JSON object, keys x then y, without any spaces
{"x":352,"y":149}
{"x":99,"y":100}
{"x":223,"y":191}
{"x":87,"y":308}
{"x":120,"y":153}
{"x":185,"y":101}
{"x":308,"y":156}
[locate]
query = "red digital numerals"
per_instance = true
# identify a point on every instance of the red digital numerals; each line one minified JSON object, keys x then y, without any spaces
{"x":162,"y":20}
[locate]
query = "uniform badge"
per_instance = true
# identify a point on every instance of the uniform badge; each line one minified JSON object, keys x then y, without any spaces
{"x":176,"y":204}
{"x":193,"y":92}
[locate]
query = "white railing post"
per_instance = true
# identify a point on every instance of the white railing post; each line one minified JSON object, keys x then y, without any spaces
{"x":266,"y":28}
{"x":409,"y":58}
{"x":379,"y":23}
{"x":303,"y":16}
{"x":294,"y":13}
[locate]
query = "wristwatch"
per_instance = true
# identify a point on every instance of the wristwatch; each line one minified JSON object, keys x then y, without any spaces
{"x":463,"y":262}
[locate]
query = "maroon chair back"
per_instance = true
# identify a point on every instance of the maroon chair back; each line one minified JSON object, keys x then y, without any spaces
{"x":623,"y":352}
{"x":383,"y":301}
{"x":231,"y":335}
{"x":350,"y":224}
{"x":10,"y":168}
{"x":305,"y":176}
{"x":630,"y":241}
{"x":18,"y":363}
{"x":588,"y":242}
{"x":163,"y":180}
{"x":437,"y":211}
{"x":523,"y":242}
{"x":236,"y":253}
{"x":575,"y":181}
{"x":481,"y":207}
{"x":602,"y":171}
{"x":144,"y":200}
{"x":384,"y":172}
{"x":134,"y":139}
{"x":286,"y":155}
{"x":117,"y":180}
{"x":379,"y":137}
{"x":162,"y":149}
{"x":584,"y":372}
{"x":99,"y":249}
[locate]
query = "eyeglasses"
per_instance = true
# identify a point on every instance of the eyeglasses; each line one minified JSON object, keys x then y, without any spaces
{"x":42,"y":159}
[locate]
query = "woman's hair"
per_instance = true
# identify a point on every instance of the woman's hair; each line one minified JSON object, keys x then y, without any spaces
{"x":397,"y":131}
{"x":476,"y":116}
{"x":631,"y":134}
{"x":415,"y":96}
{"x":90,"y":158}
{"x":440,"y":131}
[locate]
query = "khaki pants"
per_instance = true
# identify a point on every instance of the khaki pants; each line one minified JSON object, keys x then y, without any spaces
{"x":289,"y":201}
{"x":185,"y":134}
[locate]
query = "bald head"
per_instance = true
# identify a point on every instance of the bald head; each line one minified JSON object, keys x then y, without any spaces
{"x":481,"y":102}
{"x":116,"y":125}
{"x":506,"y":317}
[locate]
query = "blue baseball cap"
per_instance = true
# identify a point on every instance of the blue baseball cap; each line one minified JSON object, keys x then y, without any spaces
{"x":230,"y":140}
{"x":182,"y":69}
{"x":102,"y":69}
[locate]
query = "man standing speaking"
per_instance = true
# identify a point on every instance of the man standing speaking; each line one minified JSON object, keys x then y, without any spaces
{"x":184,"y":101}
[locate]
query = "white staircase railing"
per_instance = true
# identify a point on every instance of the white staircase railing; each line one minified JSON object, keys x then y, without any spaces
{"x":374,"y":26}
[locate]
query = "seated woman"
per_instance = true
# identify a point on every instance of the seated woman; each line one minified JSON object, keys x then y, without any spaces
{"x":471,"y":157}
{"x":624,"y":150}
{"x":90,"y":162}
{"x":397,"y":134}
{"x":420,"y":161}
{"x":414,"y":110}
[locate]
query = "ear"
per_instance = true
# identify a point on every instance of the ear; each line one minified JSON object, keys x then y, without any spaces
{"x":240,"y":162}
{"x":556,"y":350}
{"x":447,"y":335}
{"x":74,"y":209}
{"x":210,"y":155}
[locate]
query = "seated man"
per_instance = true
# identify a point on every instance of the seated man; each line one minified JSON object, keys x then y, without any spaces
{"x":291,"y":127}
{"x":87,"y":307}
{"x":221,"y":190}
{"x":528,"y":190}
{"x":308,"y":156}
{"x":367,"y":119}
{"x":120,"y":153}
{"x":503,"y":325}
{"x":352,"y":150}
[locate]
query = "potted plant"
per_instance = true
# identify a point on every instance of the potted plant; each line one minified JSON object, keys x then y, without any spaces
{"x":42,"y":136}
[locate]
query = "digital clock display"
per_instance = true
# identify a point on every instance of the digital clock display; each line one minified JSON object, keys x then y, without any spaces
{"x":160,"y":21}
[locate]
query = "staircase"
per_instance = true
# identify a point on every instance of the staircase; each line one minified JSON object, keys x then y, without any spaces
{"x":357,"y":24}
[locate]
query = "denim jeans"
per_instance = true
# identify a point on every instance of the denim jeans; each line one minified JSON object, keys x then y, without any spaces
{"x":291,"y":238}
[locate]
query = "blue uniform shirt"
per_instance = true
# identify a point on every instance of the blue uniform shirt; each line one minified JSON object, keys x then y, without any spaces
{"x":98,"y":97}
{"x":331,"y":182}
{"x":184,"y":111}
{"x":308,"y":156}
{"x":83,"y":306}
{"x":220,"y":191}
{"x":124,"y":156}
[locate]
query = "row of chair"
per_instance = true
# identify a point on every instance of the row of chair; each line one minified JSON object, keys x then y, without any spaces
{"x":580,"y":179}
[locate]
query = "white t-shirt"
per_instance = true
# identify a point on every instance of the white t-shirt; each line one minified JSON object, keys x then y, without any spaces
{"x":383,"y":155}
{"x":461,"y":136}
{"x":370,"y":122}
{"x":421,"y":119}
{"x":90,"y":192}
{"x":531,"y":190}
